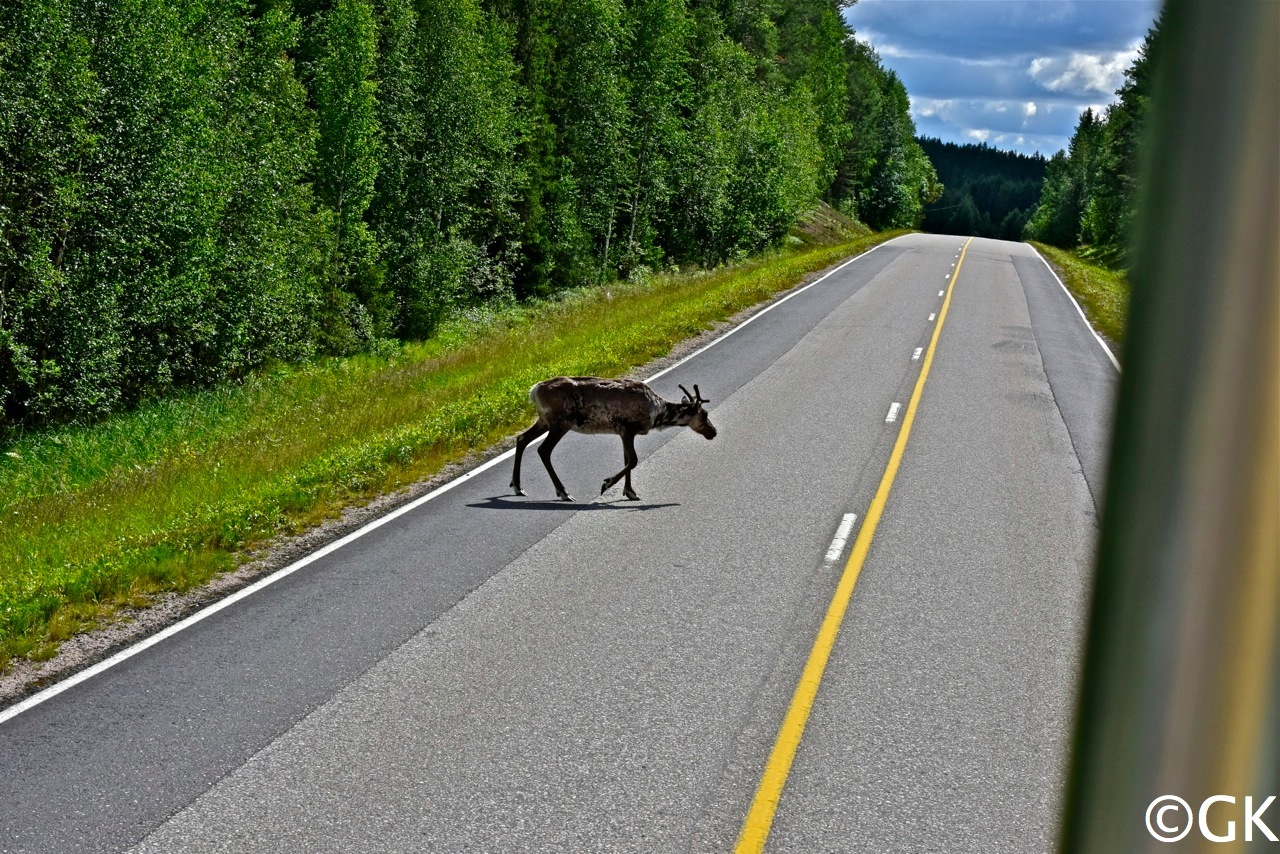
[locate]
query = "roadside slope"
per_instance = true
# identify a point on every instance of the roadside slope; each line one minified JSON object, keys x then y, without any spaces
{"x":518,"y":674}
{"x":163,"y":500}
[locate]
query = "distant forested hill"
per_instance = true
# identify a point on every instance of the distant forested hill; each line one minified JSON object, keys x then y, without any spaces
{"x":190,"y":189}
{"x":988,"y":192}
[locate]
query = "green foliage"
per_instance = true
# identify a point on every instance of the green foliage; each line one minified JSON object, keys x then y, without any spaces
{"x":989,"y":192}
{"x":883,"y":177}
{"x":447,"y":176}
{"x":659,"y":89}
{"x":164,"y":497}
{"x":811,"y":38}
{"x":1103,"y":292}
{"x":156,"y":219}
{"x":347,"y":161}
{"x":192,"y":190}
{"x":1089,"y":195}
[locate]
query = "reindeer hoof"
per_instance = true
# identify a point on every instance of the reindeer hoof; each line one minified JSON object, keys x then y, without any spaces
{"x":605,"y":487}
{"x":519,"y":491}
{"x":631,"y":496}
{"x":567,"y":497}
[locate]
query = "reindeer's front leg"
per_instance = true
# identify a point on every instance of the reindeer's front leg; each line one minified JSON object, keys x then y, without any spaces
{"x":629,"y":459}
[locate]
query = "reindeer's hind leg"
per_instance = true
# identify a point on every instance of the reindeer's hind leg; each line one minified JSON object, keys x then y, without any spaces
{"x":522,"y":442}
{"x":629,"y":459}
{"x":555,"y":434}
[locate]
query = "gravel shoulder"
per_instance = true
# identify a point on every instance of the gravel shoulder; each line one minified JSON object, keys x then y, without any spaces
{"x":132,"y":625}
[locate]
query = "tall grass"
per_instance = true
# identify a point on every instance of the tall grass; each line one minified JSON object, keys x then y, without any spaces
{"x":166,"y":497}
{"x":1103,"y":293}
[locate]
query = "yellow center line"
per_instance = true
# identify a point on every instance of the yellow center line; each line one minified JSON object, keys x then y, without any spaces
{"x":755,"y":830}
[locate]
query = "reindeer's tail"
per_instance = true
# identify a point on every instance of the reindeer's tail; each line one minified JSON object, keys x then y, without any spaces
{"x":537,"y":396}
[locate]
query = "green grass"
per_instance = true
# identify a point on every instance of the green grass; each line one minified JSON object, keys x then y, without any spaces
{"x":1103,"y":293}
{"x":166,"y":497}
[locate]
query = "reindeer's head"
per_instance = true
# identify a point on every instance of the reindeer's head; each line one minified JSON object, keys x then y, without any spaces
{"x":697,"y":419}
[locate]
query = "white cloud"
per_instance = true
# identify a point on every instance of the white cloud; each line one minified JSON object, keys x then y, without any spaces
{"x":880,"y":43}
{"x":1082,"y":73}
{"x":1029,"y":110}
{"x":978,"y":134}
{"x":980,"y":65}
{"x":930,"y":106}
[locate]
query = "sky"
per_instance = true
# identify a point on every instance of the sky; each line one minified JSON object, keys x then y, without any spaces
{"x":1015,"y":74}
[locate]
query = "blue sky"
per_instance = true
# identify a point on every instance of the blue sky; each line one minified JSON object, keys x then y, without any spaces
{"x":1013,"y":73}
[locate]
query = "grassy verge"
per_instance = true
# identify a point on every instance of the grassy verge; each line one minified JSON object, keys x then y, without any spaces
{"x":1102,"y":293}
{"x":166,"y":497}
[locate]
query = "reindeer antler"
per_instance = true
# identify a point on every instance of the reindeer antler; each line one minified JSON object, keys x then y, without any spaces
{"x":696,"y":397}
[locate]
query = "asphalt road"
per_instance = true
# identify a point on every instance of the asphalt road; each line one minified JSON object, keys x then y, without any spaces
{"x":492,"y":673}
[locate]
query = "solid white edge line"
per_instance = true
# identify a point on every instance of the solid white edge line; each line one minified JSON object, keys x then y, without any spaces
{"x":771,"y":307}
{"x":893,"y":413}
{"x":841,"y":537}
{"x":208,"y":611}
{"x":1079,"y":310}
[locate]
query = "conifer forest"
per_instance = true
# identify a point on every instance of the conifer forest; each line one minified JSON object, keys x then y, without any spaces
{"x":987,"y":192}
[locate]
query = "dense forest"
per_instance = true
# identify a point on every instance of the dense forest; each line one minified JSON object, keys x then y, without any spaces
{"x":988,"y":192}
{"x":190,"y":189}
{"x":1090,"y":190}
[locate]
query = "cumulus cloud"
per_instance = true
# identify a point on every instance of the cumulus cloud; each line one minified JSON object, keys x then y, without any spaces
{"x":925,"y":107}
{"x":1081,"y":73}
{"x":1029,"y":110}
{"x":977,"y":133}
{"x":1020,"y":70}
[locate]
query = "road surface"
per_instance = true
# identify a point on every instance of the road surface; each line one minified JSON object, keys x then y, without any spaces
{"x":493,"y":673}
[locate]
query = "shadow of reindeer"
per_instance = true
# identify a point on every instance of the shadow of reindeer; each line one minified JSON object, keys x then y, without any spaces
{"x":501,"y":502}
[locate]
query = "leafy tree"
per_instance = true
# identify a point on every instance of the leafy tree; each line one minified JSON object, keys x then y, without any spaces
{"x":446,"y":177}
{"x":1089,"y":196}
{"x":189,"y":190}
{"x":60,"y":347}
{"x":902,"y":180}
{"x":656,"y":59}
{"x":590,"y":111}
{"x":347,"y":167}
{"x":884,"y":178}
{"x":811,"y":39}
{"x":704,"y":166}
{"x":160,"y":231}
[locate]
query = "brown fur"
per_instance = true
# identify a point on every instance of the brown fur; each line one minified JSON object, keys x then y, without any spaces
{"x":596,"y":405}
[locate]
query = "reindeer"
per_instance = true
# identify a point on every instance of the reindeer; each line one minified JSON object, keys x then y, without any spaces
{"x":594,"y":405}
